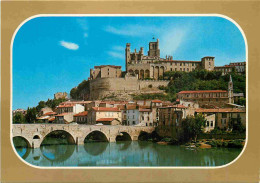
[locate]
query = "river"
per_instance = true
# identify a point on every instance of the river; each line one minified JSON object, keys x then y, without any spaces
{"x":127,"y":153}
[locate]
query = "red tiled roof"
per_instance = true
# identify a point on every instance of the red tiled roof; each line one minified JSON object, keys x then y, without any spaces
{"x":106,"y":119}
{"x":84,"y":113}
{"x":113,"y":109}
{"x":156,"y":101}
{"x":66,"y":105}
{"x":52,"y":119}
{"x":121,"y":107}
{"x":131,"y":107}
{"x":203,"y":91}
{"x":50,"y":113}
{"x":180,"y":106}
{"x":101,"y":66}
{"x":114,"y":102}
{"x":220,"y":110}
{"x":144,"y":110}
{"x":174,"y":106}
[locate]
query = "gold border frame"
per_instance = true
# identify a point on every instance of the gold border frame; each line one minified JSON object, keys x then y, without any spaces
{"x":245,"y":169}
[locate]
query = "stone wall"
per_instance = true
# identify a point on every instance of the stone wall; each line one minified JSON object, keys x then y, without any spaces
{"x":122,"y":88}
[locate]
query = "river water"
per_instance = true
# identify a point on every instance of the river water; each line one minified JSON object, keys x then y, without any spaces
{"x":127,"y":153}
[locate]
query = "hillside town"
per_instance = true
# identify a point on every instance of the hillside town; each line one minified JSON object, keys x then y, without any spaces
{"x":108,"y":97}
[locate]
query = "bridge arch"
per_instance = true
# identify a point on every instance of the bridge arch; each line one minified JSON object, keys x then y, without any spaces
{"x":18,"y":146}
{"x":123,"y":136}
{"x":36,"y":137}
{"x":59,"y":134}
{"x":26,"y":140}
{"x":96,"y":135}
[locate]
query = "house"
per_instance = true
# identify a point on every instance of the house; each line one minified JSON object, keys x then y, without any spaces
{"x":146,"y":116}
{"x":170,"y":116}
{"x":97,"y":113}
{"x":210,"y":122}
{"x":45,"y":110}
{"x":237,"y":97}
{"x":45,"y":118}
{"x":225,"y":117}
{"x":132,"y":115}
{"x":64,"y":118}
{"x":81,"y":118}
{"x":70,"y":108}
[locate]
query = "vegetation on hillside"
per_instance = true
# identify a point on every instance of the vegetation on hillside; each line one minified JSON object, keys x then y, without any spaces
{"x":77,"y":92}
{"x":32,"y":112}
{"x":198,"y":80}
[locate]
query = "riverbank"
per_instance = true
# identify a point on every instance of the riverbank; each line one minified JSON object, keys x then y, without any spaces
{"x":225,"y":141}
{"x":206,"y":143}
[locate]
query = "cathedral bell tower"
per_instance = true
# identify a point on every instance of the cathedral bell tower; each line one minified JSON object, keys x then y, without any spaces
{"x":230,"y":91}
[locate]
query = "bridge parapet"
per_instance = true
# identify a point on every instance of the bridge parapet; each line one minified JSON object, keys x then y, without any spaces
{"x":77,"y":131}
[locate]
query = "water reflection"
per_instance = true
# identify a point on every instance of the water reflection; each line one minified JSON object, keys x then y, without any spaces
{"x":57,"y":153}
{"x":123,"y":145}
{"x":95,"y":149}
{"x":127,"y":153}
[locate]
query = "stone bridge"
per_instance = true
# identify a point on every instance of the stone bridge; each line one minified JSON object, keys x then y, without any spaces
{"x":34,"y":134}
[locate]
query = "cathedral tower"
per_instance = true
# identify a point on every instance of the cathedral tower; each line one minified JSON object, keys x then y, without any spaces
{"x":154,"y":50}
{"x":127,"y":55}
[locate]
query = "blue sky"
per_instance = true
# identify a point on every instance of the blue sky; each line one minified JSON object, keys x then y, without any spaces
{"x":54,"y":54}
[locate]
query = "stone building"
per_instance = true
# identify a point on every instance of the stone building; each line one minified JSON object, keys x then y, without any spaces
{"x":209,"y":98}
{"x":105,"y":71}
{"x":240,"y":67}
{"x":205,"y":98}
{"x":170,"y":119}
{"x":145,"y":117}
{"x":153,"y":66}
{"x":224,"y":117}
{"x":99,"y":114}
{"x":210,"y":122}
{"x":81,"y":118}
{"x":61,"y":95}
{"x":132,"y":115}
{"x":70,"y":108}
{"x":226,"y":69}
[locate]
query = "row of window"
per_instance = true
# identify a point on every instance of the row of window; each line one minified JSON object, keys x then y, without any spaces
{"x":187,"y":64}
{"x":182,"y":69}
{"x":209,"y":123}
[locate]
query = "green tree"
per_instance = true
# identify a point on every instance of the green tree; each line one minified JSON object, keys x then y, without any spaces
{"x":40,"y":105}
{"x":31,"y":115}
{"x":193,"y":126}
{"x":18,"y":118}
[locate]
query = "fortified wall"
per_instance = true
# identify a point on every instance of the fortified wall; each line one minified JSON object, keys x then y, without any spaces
{"x":123,"y":88}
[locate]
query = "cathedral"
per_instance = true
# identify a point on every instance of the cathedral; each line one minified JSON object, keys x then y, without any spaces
{"x":152,"y":66}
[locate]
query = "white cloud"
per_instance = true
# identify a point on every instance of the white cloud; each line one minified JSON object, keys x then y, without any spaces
{"x":69,"y":45}
{"x":118,"y":48}
{"x":83,"y":24}
{"x":171,"y":36}
{"x":172,"y":39}
{"x":132,"y":30}
{"x":116,"y":54}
